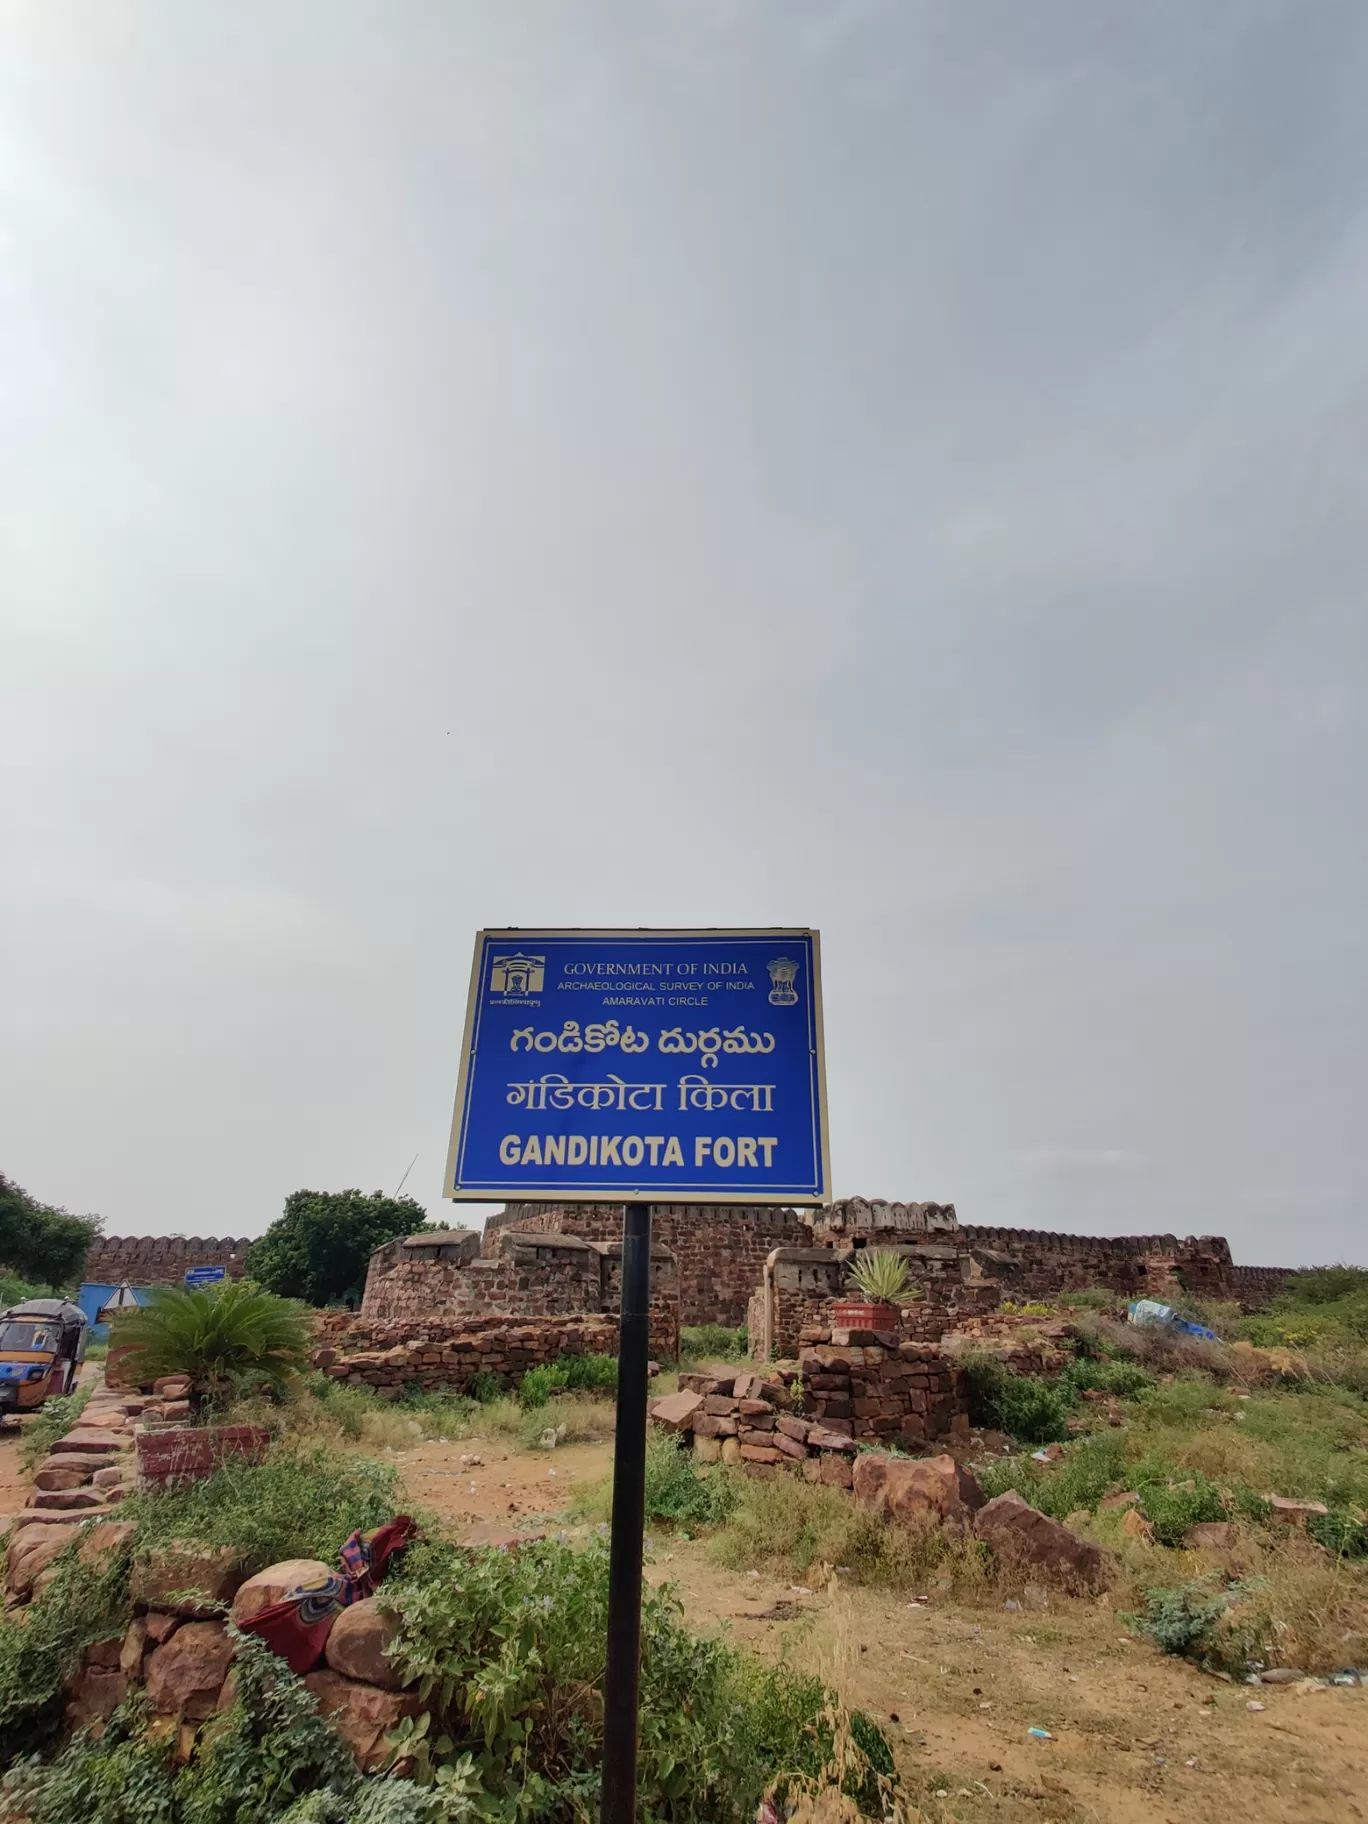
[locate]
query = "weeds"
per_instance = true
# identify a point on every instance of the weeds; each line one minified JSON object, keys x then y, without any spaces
{"x":42,"y":1645}
{"x":568,"y":1374}
{"x":507,"y":1651}
{"x":54,"y":1420}
{"x":301,"y":1502}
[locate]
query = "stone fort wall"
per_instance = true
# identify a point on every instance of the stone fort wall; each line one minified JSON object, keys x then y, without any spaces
{"x":721,"y":1250}
{"x":160,"y":1260}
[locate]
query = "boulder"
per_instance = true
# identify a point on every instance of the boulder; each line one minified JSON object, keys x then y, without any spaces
{"x":187,"y":1579}
{"x":1135,"y":1526}
{"x":274,"y":1585}
{"x":94,"y":1695}
{"x":30,"y":1553}
{"x":185,"y":1675}
{"x":172,"y":1386}
{"x":1213,"y":1535}
{"x":1021,"y":1537}
{"x":1294,"y":1513}
{"x":357,"y":1645}
{"x":175,"y":1409}
{"x":708,"y":1450}
{"x":160,"y":1626}
{"x":104,"y":1539}
{"x":676,"y":1410}
{"x":107,"y":1478}
{"x":362,"y":1715}
{"x":61,"y":1472}
{"x":915,"y":1490}
{"x":731,"y":1450}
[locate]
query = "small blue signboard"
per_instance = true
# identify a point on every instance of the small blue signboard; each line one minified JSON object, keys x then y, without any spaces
{"x":195,"y":1277}
{"x":657,"y":1066}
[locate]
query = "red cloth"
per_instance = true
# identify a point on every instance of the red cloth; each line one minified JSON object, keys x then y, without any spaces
{"x":298,"y":1627}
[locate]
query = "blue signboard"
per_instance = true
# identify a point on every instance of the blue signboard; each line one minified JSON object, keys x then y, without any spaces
{"x":195,"y":1277}
{"x":656,"y":1066}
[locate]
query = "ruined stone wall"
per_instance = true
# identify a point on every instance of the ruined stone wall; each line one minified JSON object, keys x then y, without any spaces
{"x":443,"y":1355}
{"x":803,"y":1285}
{"x":160,"y":1260}
{"x":528,"y":1275}
{"x":720,"y":1250}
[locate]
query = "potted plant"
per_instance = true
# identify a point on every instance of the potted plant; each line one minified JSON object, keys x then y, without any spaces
{"x":881,"y":1276}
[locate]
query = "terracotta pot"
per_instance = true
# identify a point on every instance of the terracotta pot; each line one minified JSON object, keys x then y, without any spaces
{"x":864,"y":1316}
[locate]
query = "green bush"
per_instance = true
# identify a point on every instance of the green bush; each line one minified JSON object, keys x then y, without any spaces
{"x":484,"y":1387}
{"x":298,"y":1503}
{"x":568,"y":1374}
{"x":55,"y":1419}
{"x":712,"y":1343}
{"x":1025,"y":1406}
{"x":1172,"y":1510}
{"x":507,"y":1649}
{"x":1122,"y":1379}
{"x":1181,"y":1619}
{"x":1339,"y":1532}
{"x":678,"y":1490}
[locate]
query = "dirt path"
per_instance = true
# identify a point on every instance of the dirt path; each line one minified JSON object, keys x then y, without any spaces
{"x":1137,"y":1738}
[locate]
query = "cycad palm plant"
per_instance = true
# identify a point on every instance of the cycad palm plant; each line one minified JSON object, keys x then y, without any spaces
{"x":222,"y":1338}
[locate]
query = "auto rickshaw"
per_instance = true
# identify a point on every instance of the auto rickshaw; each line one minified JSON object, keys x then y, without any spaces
{"x":42,"y":1346}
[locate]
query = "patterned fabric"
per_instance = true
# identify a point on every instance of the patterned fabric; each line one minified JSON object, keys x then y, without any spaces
{"x":297,"y":1628}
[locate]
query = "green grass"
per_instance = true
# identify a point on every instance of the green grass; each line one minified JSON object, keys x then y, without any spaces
{"x":568,"y":1374}
{"x":301,"y":1502}
{"x":55,"y":1419}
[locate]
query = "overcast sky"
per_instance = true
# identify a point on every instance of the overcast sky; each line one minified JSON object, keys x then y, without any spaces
{"x":901,"y":468}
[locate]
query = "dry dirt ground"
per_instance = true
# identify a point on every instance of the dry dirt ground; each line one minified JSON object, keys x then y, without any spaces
{"x":1137,"y":1738}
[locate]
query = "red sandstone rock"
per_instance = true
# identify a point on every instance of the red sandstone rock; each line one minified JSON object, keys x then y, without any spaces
{"x":362,"y":1715}
{"x":676,"y":1410}
{"x":790,"y":1447}
{"x":357,"y":1645}
{"x":61,"y":1472}
{"x":89,"y":1441}
{"x":94,"y":1695}
{"x":107,"y":1478}
{"x":707,"y":1450}
{"x":1294,"y":1513}
{"x":172,"y":1386}
{"x":935,"y":1488}
{"x":160,"y":1626}
{"x":837,"y":1471}
{"x":274,"y":1584}
{"x":1022,"y":1538}
{"x":759,"y":1453}
{"x":30,"y":1553}
{"x":68,"y":1498}
{"x":175,"y":1409}
{"x":185,"y":1675}
{"x":103,"y":1540}
{"x":132,"y":1648}
{"x":793,"y":1427}
{"x":825,"y":1437}
{"x":187,"y":1579}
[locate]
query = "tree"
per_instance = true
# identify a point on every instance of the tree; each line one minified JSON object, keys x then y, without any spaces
{"x":40,"y":1242}
{"x":319,"y":1248}
{"x":224,"y":1337}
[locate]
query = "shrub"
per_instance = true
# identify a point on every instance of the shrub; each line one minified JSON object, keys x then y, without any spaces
{"x":1339,"y":1532}
{"x":1027,"y":1407}
{"x":55,"y":1419}
{"x":1172,"y":1510}
{"x":318,"y":1249}
{"x":225,"y":1338}
{"x":507,"y":1649}
{"x":712,"y":1342}
{"x":568,"y":1374}
{"x":678,"y":1490}
{"x":1181,"y":1619}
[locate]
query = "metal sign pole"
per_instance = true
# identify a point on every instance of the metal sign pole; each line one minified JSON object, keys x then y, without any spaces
{"x":629,"y":1521}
